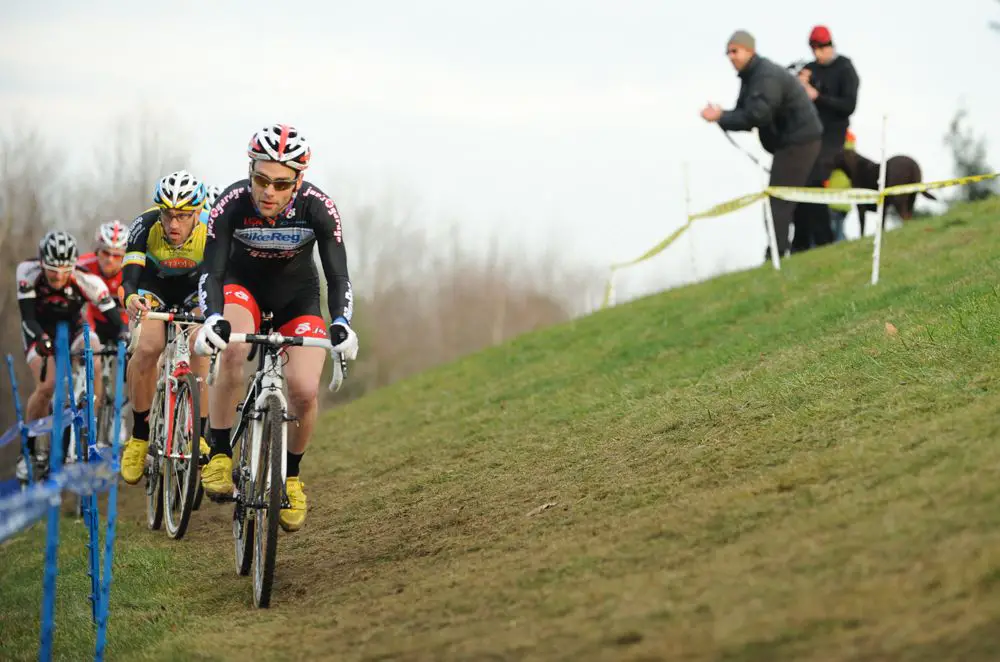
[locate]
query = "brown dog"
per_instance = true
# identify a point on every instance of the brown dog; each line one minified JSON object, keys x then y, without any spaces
{"x":864,"y":174}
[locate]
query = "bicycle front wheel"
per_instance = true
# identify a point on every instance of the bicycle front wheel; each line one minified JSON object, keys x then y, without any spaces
{"x":267,"y":493}
{"x":242,"y":514}
{"x":181,"y":464}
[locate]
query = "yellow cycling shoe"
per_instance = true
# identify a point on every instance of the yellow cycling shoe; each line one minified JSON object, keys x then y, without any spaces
{"x":204,"y":449}
{"x":217,"y":476}
{"x":292,"y":519}
{"x":134,"y":460}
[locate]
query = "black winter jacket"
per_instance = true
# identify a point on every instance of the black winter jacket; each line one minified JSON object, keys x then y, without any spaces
{"x":837,"y":84}
{"x":774,"y":101}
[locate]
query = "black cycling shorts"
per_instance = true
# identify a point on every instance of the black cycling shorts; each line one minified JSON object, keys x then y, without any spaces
{"x":169,"y":292}
{"x":295,"y":310}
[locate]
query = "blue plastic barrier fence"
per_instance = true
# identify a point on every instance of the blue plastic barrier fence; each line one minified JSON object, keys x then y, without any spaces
{"x":90,"y":475}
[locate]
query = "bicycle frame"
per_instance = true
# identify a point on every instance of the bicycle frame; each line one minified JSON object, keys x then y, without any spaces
{"x":176,"y":364}
{"x":78,"y":397}
{"x":269,"y":379}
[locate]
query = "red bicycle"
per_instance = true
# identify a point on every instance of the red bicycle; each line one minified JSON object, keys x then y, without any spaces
{"x":173,"y":462}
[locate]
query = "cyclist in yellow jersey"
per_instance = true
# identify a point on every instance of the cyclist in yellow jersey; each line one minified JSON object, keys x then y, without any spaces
{"x":166,"y":245}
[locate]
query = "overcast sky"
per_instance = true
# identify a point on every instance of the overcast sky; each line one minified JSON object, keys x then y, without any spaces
{"x":554,"y":123}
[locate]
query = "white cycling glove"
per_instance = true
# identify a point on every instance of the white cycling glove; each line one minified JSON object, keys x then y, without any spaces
{"x":213,"y":336}
{"x":344,"y":339}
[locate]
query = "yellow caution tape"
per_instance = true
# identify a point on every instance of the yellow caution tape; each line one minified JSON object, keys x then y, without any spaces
{"x":823,"y":196}
{"x":794,"y":194}
{"x":655,"y":249}
{"x":920,"y":187}
{"x":728,"y":207}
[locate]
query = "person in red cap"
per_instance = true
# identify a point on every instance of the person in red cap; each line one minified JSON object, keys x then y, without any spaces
{"x":832,"y":83}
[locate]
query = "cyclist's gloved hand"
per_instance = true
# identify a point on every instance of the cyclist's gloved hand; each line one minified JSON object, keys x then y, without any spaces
{"x":44,"y":346}
{"x":213,"y":336}
{"x":343,"y":338}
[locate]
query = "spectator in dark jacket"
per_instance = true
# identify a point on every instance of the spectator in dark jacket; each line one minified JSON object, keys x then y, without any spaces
{"x":832,"y":83}
{"x":775,"y":103}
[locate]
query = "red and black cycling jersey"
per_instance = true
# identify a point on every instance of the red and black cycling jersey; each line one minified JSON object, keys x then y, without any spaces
{"x":89,"y":262}
{"x":43,"y":307}
{"x":277,"y":252}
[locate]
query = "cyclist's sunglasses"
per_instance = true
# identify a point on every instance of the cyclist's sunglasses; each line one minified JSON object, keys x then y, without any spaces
{"x":264,"y":181}
{"x":181,"y":215}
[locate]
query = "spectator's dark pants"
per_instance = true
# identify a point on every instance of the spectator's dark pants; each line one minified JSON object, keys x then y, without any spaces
{"x":791,"y":167}
{"x":812,"y":222}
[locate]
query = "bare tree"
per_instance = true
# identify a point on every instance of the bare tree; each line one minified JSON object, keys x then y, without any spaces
{"x":38,"y":193}
{"x":969,"y":156}
{"x":426,"y":298}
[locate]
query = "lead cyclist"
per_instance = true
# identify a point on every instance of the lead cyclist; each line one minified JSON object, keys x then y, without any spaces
{"x":259,"y":256}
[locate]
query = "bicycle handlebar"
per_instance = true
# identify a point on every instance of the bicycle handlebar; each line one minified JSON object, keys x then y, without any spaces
{"x":77,"y":354}
{"x":278,"y":340}
{"x":177,"y":318}
{"x":180,"y":318}
{"x":103,"y":351}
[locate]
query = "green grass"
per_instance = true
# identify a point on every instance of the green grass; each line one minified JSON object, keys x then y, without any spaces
{"x":751,"y":469}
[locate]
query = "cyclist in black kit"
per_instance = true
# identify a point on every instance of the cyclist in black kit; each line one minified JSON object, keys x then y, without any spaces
{"x":53,"y":288}
{"x":259,"y":257}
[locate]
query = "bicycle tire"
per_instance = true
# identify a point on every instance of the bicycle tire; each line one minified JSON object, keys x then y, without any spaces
{"x":199,"y":495}
{"x":242,"y":523}
{"x":269,"y":489}
{"x":105,"y":424}
{"x":185,"y":432}
{"x":154,"y":478}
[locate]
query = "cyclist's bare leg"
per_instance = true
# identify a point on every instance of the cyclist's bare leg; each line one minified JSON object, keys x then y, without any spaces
{"x":223,"y":395}
{"x":142,"y":373}
{"x":41,"y":398}
{"x":216,"y":476}
{"x":302,"y":376}
{"x":142,"y":367}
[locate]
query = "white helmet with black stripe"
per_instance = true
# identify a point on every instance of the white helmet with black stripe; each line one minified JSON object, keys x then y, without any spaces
{"x":57,"y":250}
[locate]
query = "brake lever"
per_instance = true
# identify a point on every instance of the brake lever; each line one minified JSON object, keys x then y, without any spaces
{"x":213,"y":368}
{"x":339,"y":371}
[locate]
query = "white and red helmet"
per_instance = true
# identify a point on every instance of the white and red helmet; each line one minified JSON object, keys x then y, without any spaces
{"x":281,"y":143}
{"x":112,"y":235}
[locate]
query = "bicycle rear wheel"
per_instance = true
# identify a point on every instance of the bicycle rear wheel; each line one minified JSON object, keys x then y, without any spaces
{"x":154,"y":474}
{"x":268,"y":490}
{"x":105,"y":425}
{"x":181,"y":466}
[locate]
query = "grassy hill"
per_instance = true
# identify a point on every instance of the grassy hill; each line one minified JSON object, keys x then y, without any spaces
{"x":768,"y":466}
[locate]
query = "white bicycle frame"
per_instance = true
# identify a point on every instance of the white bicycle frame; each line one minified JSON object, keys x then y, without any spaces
{"x":79,"y":394}
{"x":272,"y":382}
{"x":175,"y":354}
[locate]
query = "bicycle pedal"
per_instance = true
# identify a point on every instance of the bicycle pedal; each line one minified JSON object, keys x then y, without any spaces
{"x":220,"y":498}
